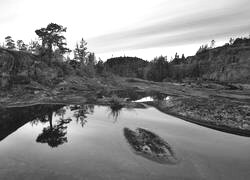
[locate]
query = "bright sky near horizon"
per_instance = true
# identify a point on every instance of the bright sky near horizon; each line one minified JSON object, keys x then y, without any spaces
{"x":142,"y":28}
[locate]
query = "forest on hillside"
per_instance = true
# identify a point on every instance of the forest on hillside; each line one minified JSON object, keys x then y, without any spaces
{"x":47,"y":61}
{"x":228,"y":63}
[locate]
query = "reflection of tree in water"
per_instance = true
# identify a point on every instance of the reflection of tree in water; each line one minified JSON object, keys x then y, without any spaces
{"x":12,"y":119}
{"x":115,"y":110}
{"x":54,"y":135}
{"x":60,"y":112}
{"x":37,"y":120}
{"x":44,"y":118}
{"x":81,"y":111}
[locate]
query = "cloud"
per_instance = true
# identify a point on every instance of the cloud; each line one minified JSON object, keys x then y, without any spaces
{"x":118,"y":25}
{"x":189,"y":26}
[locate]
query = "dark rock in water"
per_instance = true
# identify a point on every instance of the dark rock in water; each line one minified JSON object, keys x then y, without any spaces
{"x":150,"y":146}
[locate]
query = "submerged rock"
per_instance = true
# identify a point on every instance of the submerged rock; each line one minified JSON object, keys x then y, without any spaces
{"x":150,"y":146}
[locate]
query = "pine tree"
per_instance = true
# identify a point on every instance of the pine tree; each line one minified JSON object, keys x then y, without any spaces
{"x":100,"y":66}
{"x":212,"y":45}
{"x":10,"y":43}
{"x":34,"y":47}
{"x":52,"y":38}
{"x":21,"y":45}
{"x":80,"y":52}
{"x":231,"y":41}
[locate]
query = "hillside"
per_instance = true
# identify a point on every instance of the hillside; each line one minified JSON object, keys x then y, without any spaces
{"x":126,"y":66}
{"x":229,"y":63}
{"x":20,"y":68}
{"x":225,"y":64}
{"x":27,"y":79}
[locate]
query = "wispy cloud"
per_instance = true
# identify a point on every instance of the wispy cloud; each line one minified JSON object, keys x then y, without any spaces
{"x":122,"y":26}
{"x":189,"y":26}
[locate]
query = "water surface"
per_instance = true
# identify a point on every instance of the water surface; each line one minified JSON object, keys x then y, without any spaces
{"x":88,"y":142}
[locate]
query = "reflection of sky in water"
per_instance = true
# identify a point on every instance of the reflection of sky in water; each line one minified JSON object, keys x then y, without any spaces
{"x":167,"y":98}
{"x":99,"y":150}
{"x":149,"y":98}
{"x":145,"y":99}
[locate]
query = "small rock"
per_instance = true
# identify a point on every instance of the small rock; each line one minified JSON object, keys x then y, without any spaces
{"x":245,"y":126}
{"x":146,"y":149}
{"x":36,"y":92}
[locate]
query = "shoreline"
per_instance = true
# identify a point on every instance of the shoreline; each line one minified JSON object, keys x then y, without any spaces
{"x":222,"y":128}
{"x":219,"y":109}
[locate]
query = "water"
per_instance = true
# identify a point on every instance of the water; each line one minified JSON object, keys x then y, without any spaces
{"x":150,"y":99}
{"x":88,"y":142}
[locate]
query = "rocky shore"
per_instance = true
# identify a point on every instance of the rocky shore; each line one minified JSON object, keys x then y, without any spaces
{"x":207,"y":104}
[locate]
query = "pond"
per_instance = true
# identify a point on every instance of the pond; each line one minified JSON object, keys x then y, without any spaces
{"x":97,"y":142}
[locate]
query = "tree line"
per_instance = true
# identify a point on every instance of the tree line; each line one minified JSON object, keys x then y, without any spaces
{"x":51,"y":48}
{"x":175,"y":69}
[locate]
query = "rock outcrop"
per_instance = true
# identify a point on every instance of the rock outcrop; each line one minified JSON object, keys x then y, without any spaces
{"x":18,"y":67}
{"x":229,"y":63}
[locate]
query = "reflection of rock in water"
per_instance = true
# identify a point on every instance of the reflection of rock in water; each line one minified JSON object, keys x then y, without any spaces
{"x":150,"y":145}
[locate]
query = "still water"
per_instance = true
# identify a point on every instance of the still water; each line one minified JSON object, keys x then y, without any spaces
{"x":90,"y":142}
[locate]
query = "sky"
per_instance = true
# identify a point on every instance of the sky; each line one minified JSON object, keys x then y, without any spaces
{"x":143,"y":28}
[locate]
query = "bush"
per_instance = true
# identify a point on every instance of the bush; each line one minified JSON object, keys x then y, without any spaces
{"x":64,"y":67}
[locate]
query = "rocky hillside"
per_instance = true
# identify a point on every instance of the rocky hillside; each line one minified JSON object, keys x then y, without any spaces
{"x":229,"y":63}
{"x":17,"y":67}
